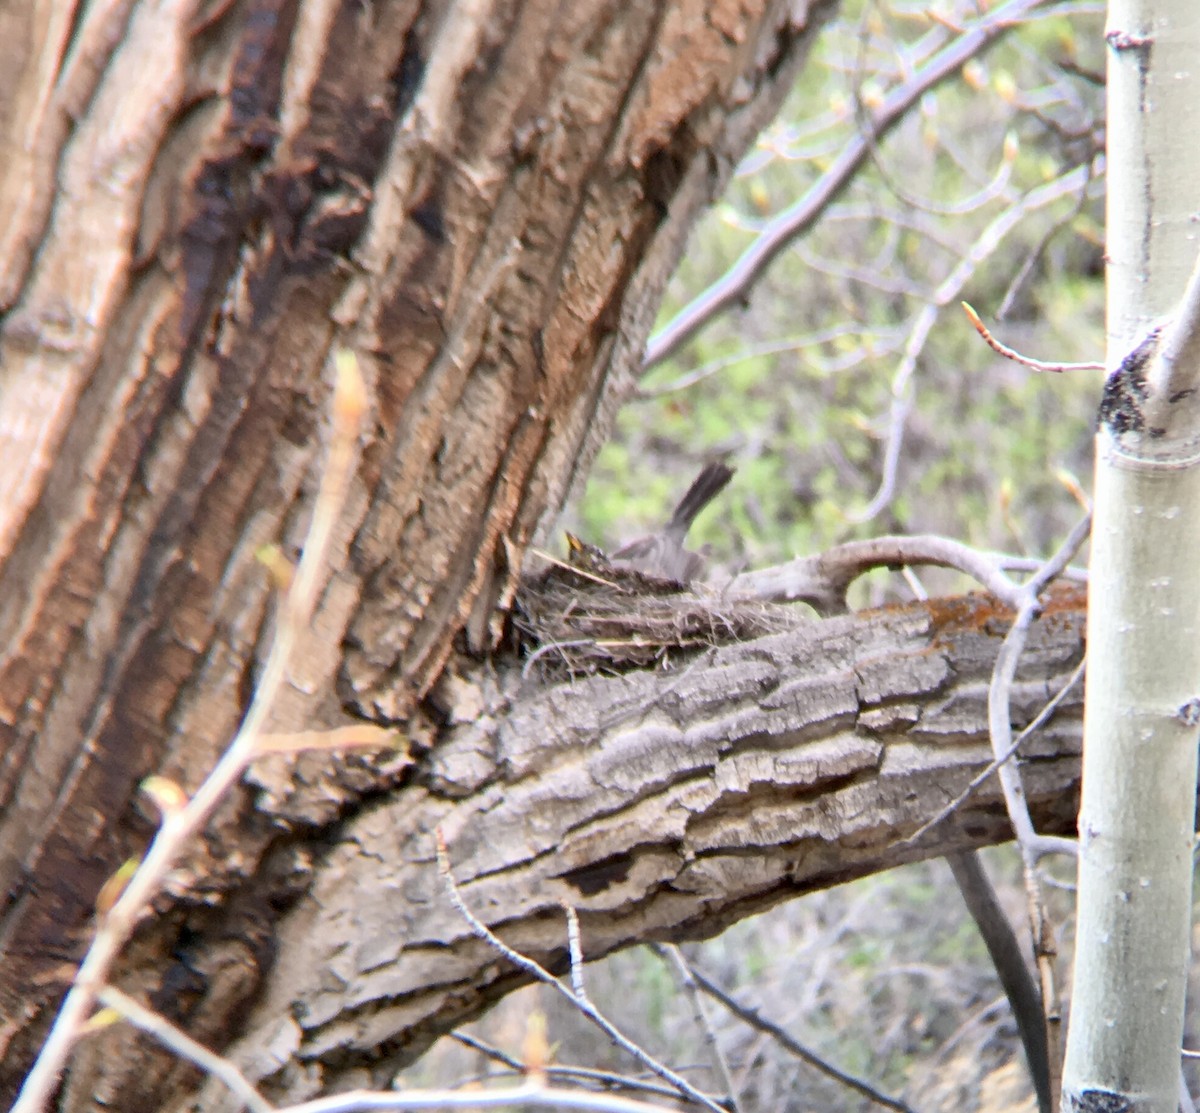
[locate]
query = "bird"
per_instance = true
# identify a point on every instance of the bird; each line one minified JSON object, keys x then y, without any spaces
{"x":662,"y":555}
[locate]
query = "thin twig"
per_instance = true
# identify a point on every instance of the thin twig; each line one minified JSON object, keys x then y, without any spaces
{"x":575,"y":950}
{"x":862,"y":117}
{"x":158,"y":1026}
{"x":1015,"y":356}
{"x":882,"y":342}
{"x":179,"y":827}
{"x":576,"y":569}
{"x":551,"y":647}
{"x":672,"y":954}
{"x":1034,"y":258}
{"x":528,"y":1096}
{"x":341,"y":739}
{"x":565,"y":1071}
{"x":784,"y":1038}
{"x":1059,"y":561}
{"x":1008,"y":563}
{"x":541,"y":974}
{"x":1032,"y":845}
{"x":951,"y":288}
{"x":1039,"y":720}
{"x":731,"y":289}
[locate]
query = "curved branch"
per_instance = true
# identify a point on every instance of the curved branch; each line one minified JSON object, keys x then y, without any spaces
{"x":822,"y":580}
{"x":950,"y":288}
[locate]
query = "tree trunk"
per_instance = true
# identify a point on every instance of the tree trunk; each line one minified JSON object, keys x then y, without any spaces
{"x":1137,"y":821}
{"x":202,"y":201}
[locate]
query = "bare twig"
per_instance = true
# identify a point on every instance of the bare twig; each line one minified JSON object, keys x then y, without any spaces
{"x":989,"y":191}
{"x":183,"y":1045}
{"x":351,"y":737}
{"x":518,"y":1097}
{"x":756,"y":1020}
{"x":1034,"y":258}
{"x":731,"y":289}
{"x":575,"y":950}
{"x":1032,"y":845}
{"x":1015,"y":356}
{"x":672,"y":954}
{"x":1039,"y":720}
{"x":1060,"y":561}
{"x":950,"y":289}
{"x":565,"y":1071}
{"x":541,"y":974}
{"x":551,"y":647}
{"x":1073,"y":572}
{"x":883,"y":341}
{"x":180,"y":826}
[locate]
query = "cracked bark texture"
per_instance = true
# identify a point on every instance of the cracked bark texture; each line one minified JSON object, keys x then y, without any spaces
{"x":659,"y":806}
{"x":202,"y":199}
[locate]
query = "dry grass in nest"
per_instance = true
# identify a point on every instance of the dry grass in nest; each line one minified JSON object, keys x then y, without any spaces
{"x":572,"y":620}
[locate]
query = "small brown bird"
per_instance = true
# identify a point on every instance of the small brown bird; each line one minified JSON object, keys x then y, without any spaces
{"x":662,"y":554}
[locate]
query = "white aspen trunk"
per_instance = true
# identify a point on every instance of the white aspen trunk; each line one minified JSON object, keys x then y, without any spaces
{"x":1137,"y":817}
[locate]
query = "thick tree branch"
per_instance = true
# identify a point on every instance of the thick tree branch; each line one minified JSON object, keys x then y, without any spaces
{"x":659,"y":807}
{"x":1173,"y":378}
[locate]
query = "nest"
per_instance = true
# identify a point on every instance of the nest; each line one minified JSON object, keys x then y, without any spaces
{"x":572,"y":620}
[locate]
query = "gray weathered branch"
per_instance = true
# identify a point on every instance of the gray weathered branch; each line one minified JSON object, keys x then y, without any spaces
{"x":659,"y":807}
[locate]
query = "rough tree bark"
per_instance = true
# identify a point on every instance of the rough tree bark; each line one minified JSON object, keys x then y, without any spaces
{"x":483,"y":200}
{"x":659,"y":806}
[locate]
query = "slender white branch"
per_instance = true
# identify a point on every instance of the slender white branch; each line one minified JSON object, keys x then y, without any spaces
{"x":518,"y":1097}
{"x":1033,"y":846}
{"x":183,"y":1045}
{"x":674,"y":955}
{"x":541,"y":974}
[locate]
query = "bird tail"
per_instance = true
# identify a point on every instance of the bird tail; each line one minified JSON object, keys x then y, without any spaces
{"x":706,"y":486}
